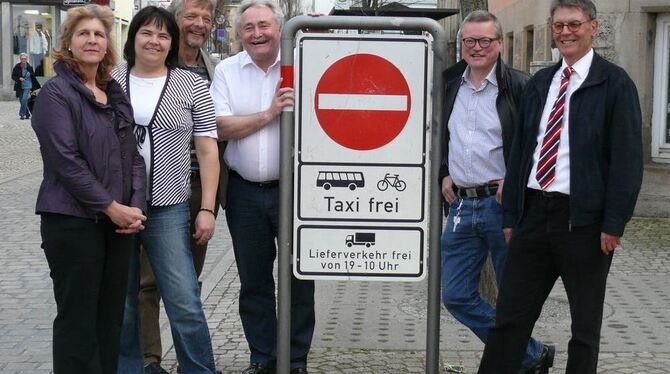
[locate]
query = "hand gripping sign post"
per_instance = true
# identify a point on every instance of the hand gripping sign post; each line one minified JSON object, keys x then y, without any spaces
{"x":360,"y":159}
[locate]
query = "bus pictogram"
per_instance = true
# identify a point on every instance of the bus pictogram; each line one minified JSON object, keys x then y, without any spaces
{"x":348,"y":179}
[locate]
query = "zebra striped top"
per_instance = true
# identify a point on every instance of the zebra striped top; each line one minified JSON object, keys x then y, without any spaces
{"x":184,"y":107}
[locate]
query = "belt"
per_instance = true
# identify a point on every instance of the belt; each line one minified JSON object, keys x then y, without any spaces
{"x":266,"y":184}
{"x":477,"y":191}
{"x":547,"y":194}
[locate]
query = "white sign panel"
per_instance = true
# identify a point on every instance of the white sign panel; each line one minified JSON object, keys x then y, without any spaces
{"x":361,"y":193}
{"x":360,"y":251}
{"x":361,"y":162}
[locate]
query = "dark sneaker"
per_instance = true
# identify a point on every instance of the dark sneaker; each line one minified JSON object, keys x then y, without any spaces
{"x":545,"y":361}
{"x":154,"y":368}
{"x":258,"y":368}
{"x":180,"y":372}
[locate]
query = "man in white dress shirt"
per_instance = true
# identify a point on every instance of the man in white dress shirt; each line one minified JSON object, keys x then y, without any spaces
{"x":248,"y":103}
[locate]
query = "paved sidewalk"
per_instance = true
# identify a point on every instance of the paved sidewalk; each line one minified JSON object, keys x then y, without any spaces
{"x":376,"y":327}
{"x":370,"y":327}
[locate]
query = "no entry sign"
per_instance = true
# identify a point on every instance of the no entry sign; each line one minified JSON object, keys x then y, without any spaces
{"x":361,"y":163}
{"x":362,"y":101}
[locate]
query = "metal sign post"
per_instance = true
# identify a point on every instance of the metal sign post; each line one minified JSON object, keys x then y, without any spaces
{"x":388,"y":182}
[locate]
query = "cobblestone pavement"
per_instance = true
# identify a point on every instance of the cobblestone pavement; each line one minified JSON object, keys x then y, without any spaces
{"x":371,"y":327}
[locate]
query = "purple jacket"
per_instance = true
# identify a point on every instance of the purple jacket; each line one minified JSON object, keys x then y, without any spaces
{"x":88,"y":149}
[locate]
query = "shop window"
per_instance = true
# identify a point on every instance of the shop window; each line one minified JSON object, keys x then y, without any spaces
{"x":33,"y":34}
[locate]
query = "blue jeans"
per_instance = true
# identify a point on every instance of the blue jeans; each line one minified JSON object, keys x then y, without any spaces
{"x":474,"y":229}
{"x":253,"y":214}
{"x":23,"y":110}
{"x":166,"y":243}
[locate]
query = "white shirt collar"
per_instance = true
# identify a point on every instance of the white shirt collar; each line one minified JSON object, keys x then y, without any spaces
{"x":245,"y":60}
{"x":582,"y":66}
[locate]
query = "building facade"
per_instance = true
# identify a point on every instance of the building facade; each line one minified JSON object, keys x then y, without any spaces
{"x":634,"y":34}
{"x":33,"y":27}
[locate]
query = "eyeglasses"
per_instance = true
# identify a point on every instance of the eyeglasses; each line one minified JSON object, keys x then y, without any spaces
{"x":483,"y":42}
{"x":557,"y":27}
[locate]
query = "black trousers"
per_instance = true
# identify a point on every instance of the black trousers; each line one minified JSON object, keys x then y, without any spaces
{"x":89,"y":269}
{"x":543,"y":248}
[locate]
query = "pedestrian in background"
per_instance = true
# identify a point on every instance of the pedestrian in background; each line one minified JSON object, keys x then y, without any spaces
{"x":25,"y":82}
{"x":194,"y":18}
{"x":473,"y":167}
{"x":171,"y":106}
{"x":92,"y":196}
{"x":573,"y":178}
{"x":248,"y":104}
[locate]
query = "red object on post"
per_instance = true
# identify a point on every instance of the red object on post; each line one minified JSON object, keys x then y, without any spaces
{"x":287,"y":76}
{"x":101,"y":2}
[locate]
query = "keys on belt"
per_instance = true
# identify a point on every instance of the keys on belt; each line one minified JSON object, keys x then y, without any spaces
{"x":477,"y":191}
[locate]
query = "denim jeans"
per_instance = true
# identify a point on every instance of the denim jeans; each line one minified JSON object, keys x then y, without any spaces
{"x":149,"y":295}
{"x":23,"y":109}
{"x":253,"y":215}
{"x":474,"y":229}
{"x":166,"y":243}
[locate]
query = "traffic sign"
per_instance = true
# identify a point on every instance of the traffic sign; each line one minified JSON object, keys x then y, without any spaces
{"x":220,"y":35}
{"x":360,"y":193}
{"x":361,"y":162}
{"x":368,"y":251}
{"x":360,"y":115}
{"x":362,"y":101}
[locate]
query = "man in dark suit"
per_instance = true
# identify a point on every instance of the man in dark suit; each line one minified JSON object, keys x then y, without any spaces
{"x":572,"y":181}
{"x":573,"y":177}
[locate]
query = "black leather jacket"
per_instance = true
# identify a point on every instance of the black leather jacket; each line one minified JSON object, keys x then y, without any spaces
{"x":510,"y":86}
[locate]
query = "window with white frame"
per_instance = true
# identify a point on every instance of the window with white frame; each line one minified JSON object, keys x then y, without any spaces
{"x":660,"y":147}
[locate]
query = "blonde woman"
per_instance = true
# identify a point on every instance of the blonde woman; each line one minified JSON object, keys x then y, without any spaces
{"x":92,"y":198}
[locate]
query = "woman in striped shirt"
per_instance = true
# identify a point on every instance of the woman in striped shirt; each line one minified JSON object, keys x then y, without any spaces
{"x":170,"y":107}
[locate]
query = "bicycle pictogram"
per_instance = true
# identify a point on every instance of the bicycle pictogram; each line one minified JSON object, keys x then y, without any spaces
{"x":393,"y":181}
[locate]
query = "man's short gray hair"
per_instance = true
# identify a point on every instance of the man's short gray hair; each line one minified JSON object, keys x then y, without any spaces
{"x":586,"y":6}
{"x":484,"y":16}
{"x":246,"y":4}
{"x":177,"y":6}
{"x":23,"y":54}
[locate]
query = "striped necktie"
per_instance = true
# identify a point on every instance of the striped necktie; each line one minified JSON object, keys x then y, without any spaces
{"x":546,"y":166}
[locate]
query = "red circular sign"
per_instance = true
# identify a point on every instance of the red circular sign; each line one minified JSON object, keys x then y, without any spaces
{"x":362,"y":102}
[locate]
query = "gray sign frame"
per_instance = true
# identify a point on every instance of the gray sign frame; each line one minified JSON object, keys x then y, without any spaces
{"x":285,"y":235}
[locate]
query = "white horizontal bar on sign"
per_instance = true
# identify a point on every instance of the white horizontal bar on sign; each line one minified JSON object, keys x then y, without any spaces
{"x":363,"y":102}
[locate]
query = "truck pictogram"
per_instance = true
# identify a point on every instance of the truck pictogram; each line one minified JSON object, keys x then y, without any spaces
{"x":361,"y":238}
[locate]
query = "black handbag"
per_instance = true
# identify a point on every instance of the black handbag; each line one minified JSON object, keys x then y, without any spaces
{"x":31,"y":100}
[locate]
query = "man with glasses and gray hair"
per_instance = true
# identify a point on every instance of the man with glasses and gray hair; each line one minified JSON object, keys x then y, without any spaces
{"x":574,"y":173}
{"x":481,"y":102}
